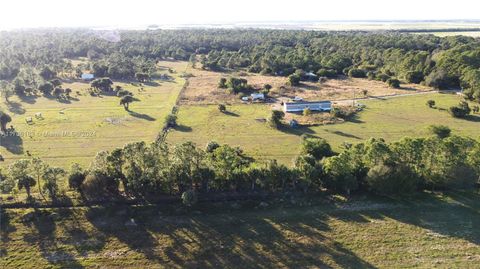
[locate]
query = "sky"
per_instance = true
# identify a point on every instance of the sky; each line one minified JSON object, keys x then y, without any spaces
{"x":122,"y":13}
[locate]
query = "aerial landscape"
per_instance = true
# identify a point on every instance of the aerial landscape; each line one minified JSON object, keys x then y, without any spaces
{"x":262,"y":138}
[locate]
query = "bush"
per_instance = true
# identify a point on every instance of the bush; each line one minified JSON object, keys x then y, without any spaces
{"x":189,"y":198}
{"x":222,"y":83}
{"x":441,"y":131}
{"x":171,"y":120}
{"x":414,"y":76}
{"x":211,"y":146}
{"x":329,"y":73}
{"x":476,"y":109}
{"x":439,"y":79}
{"x":307,"y":111}
{"x":356,"y":73}
{"x":461,"y":110}
{"x":294,"y":80}
{"x":431,"y":103}
{"x":393,"y":82}
{"x":383,"y":77}
{"x":343,"y":112}
{"x":317,"y":147}
{"x":275,"y":119}
{"x":222,"y":108}
{"x":99,"y":185}
{"x":385,"y":179}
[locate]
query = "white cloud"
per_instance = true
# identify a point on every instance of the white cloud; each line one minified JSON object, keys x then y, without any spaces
{"x":58,"y":13}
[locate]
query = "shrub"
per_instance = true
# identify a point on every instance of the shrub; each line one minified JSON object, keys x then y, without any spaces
{"x":431,"y":103}
{"x":441,"y":131}
{"x":307,"y":111}
{"x":414,"y":76}
{"x":211,"y":146}
{"x":294,"y":80}
{"x":476,"y":109}
{"x":356,"y":73}
{"x":99,"y":185}
{"x":171,"y":120}
{"x":222,"y":108}
{"x":275,"y":119}
{"x":329,"y":73}
{"x":385,"y":179}
{"x":383,"y":77}
{"x":393,"y":82}
{"x":461,"y":110}
{"x":343,"y":112}
{"x":189,"y":198}
{"x":317,"y":147}
{"x":222,"y":83}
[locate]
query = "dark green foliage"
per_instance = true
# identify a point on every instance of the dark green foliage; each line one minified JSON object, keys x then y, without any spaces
{"x":397,"y":179}
{"x":238,"y":85}
{"x":222,"y":83}
{"x":142,"y":77}
{"x":431,"y":103}
{"x":222,"y":108}
{"x":103,"y":84}
{"x":441,"y":131}
{"x":329,"y":73}
{"x":171,"y":120}
{"x":414,"y":76}
{"x":211,"y":146}
{"x":46,"y":88}
{"x":382,"y":77}
{"x":393,"y":82}
{"x":4,"y":120}
{"x":357,"y":73}
{"x":316,"y":147}
{"x":294,"y":80}
{"x":126,"y":100}
{"x":461,"y":110}
{"x":275,"y":119}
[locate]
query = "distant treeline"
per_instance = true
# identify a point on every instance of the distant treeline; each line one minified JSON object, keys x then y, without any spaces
{"x":436,"y":30}
{"x":441,"y":62}
{"x":146,"y":171}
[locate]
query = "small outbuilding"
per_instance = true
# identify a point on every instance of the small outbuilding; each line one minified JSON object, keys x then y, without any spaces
{"x":257,"y":96}
{"x":87,"y":76}
{"x":313,"y":106}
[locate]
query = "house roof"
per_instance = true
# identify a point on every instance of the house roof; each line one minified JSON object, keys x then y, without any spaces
{"x":308,"y":103}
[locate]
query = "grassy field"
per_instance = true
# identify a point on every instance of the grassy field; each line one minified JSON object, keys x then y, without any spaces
{"x":387,"y":118}
{"x":428,"y":231}
{"x":203,"y":88}
{"x":76,"y":130}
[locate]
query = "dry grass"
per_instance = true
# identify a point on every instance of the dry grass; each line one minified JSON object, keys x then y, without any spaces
{"x":203,"y":88}
{"x":429,"y":231}
{"x":345,"y":88}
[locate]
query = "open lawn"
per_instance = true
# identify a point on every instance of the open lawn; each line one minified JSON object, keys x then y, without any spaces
{"x":427,"y":231}
{"x":75,"y":130}
{"x":390,"y":118}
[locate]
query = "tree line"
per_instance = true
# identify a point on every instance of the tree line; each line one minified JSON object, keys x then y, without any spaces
{"x":145,"y":171}
{"x":441,"y":62}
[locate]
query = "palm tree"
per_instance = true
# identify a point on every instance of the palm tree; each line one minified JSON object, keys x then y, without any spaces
{"x":26,"y":182}
{"x":125,"y":101}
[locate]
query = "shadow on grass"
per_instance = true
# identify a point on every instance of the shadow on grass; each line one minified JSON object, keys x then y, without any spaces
{"x":340,"y":133}
{"x":300,"y":130}
{"x":141,"y":116}
{"x":230,"y":113}
{"x":15,"y":108}
{"x":43,"y":234}
{"x":182,"y":128}
{"x":12,"y":142}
